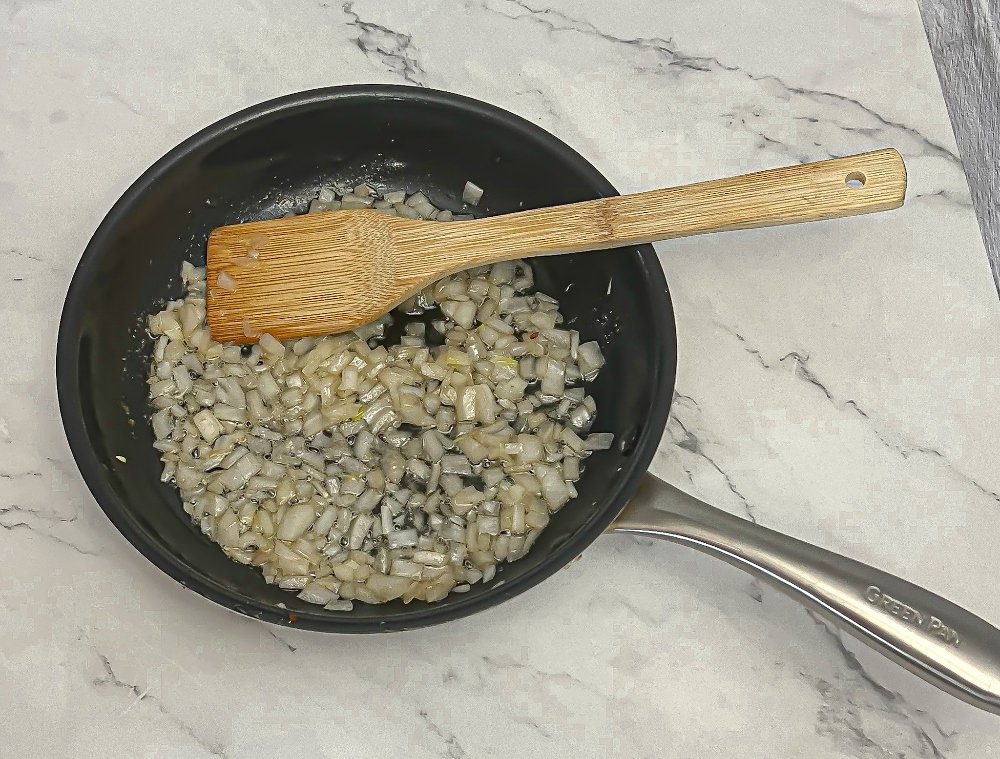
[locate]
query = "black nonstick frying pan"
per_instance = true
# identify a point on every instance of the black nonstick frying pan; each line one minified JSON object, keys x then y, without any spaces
{"x":274,"y":157}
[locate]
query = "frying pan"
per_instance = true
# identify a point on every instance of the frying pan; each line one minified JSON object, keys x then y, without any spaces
{"x":274,"y":157}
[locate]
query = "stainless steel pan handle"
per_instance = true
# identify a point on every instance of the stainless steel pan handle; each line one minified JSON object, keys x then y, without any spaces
{"x":938,"y":641}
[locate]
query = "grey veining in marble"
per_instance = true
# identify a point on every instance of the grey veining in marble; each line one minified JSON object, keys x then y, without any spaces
{"x":837,"y":382}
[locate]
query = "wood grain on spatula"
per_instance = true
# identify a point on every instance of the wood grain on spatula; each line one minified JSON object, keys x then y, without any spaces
{"x":331,"y":272}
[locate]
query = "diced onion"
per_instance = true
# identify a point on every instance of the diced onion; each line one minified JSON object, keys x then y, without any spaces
{"x":472,"y":194}
{"x":226,"y":282}
{"x":350,"y":470}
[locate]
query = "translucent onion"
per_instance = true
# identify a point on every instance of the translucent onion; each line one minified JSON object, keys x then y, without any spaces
{"x":350,"y":470}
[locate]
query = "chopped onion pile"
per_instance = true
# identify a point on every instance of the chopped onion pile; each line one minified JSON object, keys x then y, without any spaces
{"x":347,"y":469}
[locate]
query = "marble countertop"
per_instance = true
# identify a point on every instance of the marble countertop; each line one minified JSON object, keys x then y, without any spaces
{"x":837,"y":382}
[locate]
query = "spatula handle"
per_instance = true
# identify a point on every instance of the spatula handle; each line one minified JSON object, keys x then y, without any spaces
{"x":831,"y":189}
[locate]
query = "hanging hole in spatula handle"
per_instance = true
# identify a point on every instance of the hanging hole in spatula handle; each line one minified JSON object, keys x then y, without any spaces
{"x":855,"y":180}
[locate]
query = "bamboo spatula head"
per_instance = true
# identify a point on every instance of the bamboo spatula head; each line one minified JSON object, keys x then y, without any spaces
{"x":316,"y":273}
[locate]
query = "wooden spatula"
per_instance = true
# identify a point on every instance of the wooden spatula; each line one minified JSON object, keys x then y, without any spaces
{"x":331,"y":272}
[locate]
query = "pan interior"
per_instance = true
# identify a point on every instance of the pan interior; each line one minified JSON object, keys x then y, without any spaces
{"x":274,"y":158}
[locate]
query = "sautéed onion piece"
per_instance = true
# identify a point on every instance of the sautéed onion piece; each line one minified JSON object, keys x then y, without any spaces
{"x":351,"y":470}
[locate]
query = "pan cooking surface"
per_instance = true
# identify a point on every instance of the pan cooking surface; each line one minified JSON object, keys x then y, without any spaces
{"x":273,"y":158}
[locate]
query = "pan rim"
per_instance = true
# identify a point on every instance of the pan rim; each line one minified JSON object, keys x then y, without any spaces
{"x":92,"y":471}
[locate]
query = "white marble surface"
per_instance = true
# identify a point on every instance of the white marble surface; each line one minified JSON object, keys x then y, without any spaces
{"x":838,"y":382}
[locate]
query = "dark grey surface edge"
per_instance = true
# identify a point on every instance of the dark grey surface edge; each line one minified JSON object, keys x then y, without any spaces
{"x":964,"y":37}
